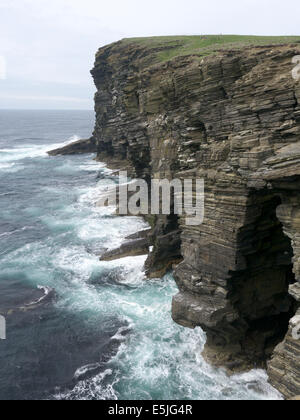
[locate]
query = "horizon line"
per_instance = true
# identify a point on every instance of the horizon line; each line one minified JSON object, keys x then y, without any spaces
{"x":45,"y":109}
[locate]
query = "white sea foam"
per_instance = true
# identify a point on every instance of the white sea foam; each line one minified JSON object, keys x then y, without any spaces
{"x":46,"y":290}
{"x":156,"y":359}
{"x":164,"y":361}
{"x":95,"y":166}
{"x":15,"y":231}
{"x":10,"y":167}
{"x":120,"y":335}
{"x":112,"y":230}
{"x":158,"y":356}
{"x":86,"y":369}
{"x":93,"y":389}
{"x":30,"y":151}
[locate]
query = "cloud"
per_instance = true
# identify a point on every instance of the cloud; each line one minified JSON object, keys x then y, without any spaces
{"x":56,"y":41}
{"x":44,"y":98}
{"x":20,"y":93}
{"x":2,"y":68}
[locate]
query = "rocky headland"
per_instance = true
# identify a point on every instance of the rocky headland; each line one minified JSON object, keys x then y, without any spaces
{"x":76,"y":148}
{"x":227,"y":111}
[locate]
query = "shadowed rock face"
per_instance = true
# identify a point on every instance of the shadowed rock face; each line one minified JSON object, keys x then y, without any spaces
{"x":232,"y":118}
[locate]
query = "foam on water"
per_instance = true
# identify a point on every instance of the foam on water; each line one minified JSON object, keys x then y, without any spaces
{"x":10,"y":167}
{"x":160,"y":360}
{"x":155,"y":358}
{"x":15,"y":231}
{"x":9,"y":157}
{"x":86,"y":369}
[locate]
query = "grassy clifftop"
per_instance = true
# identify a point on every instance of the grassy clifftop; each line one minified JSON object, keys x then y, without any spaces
{"x":202,"y":45}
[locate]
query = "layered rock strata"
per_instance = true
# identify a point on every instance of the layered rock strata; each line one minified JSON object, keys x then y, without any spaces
{"x":75,"y":148}
{"x":233,"y":119}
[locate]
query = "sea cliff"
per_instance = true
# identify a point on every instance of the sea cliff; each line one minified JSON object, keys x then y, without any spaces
{"x":227,"y":112}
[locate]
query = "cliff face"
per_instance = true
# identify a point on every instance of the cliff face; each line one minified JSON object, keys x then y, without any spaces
{"x":232,"y":118}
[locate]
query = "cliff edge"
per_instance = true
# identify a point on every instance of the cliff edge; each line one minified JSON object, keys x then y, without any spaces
{"x":227,"y":110}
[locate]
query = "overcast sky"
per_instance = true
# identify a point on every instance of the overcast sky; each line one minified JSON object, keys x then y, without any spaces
{"x":47,"y":47}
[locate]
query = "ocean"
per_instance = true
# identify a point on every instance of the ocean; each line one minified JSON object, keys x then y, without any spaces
{"x":78,"y":328}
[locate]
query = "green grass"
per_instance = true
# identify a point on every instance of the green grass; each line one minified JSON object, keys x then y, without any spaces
{"x":203,"y":45}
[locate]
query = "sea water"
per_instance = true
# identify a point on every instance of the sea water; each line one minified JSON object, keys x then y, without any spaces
{"x":78,"y":328}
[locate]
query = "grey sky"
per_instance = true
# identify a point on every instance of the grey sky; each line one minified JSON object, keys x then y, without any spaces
{"x":49,"y":45}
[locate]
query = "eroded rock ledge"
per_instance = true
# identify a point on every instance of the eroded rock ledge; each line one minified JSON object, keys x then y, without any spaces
{"x":232,"y":118}
{"x":75,"y":148}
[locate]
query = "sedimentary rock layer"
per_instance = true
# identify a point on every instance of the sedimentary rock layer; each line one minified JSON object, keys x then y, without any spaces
{"x":128,"y":249}
{"x":75,"y":148}
{"x":233,"y":119}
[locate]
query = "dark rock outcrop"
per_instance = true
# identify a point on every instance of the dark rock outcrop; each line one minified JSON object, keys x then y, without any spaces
{"x":143,"y":234}
{"x":233,"y":119}
{"x":131,"y":248}
{"x":75,"y":148}
{"x":135,"y":245}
